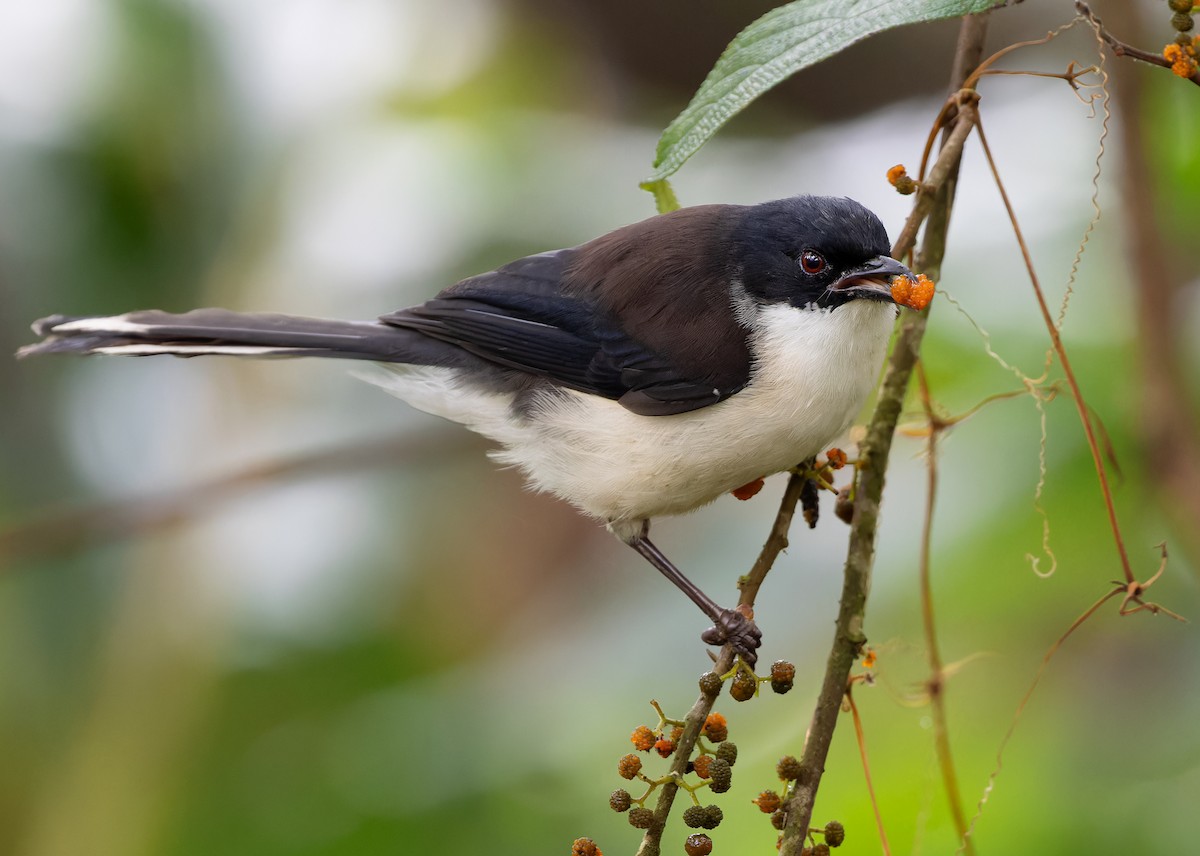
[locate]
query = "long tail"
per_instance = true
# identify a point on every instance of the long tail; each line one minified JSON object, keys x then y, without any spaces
{"x":218,"y":331}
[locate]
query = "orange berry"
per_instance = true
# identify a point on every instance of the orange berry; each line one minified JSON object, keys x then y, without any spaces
{"x":629,"y":766}
{"x":664,"y":747}
{"x":716,"y":728}
{"x":922,"y":293}
{"x":914,"y":295}
{"x":643,"y":738}
{"x":700,"y":765}
{"x":748,"y":490}
{"x":899,"y":178}
{"x":768,"y":802}
{"x":1182,"y":62}
{"x":585,"y":847}
{"x":836,"y":457}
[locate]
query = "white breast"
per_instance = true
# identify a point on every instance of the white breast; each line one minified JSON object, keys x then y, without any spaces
{"x":814,"y":369}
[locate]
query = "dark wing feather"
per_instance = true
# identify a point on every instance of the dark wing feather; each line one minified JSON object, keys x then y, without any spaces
{"x":538,"y":315}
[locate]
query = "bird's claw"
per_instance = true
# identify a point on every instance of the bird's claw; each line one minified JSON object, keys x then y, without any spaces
{"x":735,"y":629}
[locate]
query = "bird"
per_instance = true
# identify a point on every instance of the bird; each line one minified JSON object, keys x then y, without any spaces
{"x":642,"y":374}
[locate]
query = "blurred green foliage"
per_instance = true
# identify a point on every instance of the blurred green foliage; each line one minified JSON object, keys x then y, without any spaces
{"x":422,"y":657}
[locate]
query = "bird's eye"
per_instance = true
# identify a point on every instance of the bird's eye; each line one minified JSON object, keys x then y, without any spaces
{"x":812,"y":262}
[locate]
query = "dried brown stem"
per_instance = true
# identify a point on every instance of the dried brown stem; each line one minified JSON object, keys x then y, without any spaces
{"x":1012,"y":726}
{"x":1061,"y":352}
{"x":936,"y":684}
{"x":62,"y":530}
{"x":861,"y":737}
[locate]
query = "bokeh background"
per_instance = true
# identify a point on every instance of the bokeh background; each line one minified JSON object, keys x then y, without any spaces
{"x":263,"y":608}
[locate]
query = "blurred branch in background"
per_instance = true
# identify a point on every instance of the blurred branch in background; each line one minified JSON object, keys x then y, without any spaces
{"x":62,"y":530}
{"x":1170,"y":441}
{"x":195,"y":692}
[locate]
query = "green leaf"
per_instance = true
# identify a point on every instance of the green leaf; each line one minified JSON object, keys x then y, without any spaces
{"x":776,"y":46}
{"x":664,"y":195}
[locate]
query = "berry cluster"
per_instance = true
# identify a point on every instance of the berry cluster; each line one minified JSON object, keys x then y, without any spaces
{"x":772,"y":802}
{"x":743,"y":683}
{"x":820,"y":475}
{"x":712,"y":767}
{"x":1182,"y":52}
{"x":712,"y":761}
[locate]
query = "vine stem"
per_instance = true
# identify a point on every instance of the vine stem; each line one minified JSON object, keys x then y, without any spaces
{"x":936,"y":685}
{"x":1061,"y":352}
{"x":866,"y":763}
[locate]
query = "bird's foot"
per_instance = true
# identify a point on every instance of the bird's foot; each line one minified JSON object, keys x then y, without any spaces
{"x":737,"y":629}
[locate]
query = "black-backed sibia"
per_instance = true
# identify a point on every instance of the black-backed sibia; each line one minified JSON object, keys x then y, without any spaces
{"x":641,"y":374}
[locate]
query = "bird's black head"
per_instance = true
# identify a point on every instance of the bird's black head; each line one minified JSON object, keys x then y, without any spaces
{"x":814,"y":251}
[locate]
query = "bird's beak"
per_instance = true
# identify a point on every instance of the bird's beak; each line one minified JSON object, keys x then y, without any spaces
{"x":873,"y":279}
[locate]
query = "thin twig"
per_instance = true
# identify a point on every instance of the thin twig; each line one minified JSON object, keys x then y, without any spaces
{"x":860,"y":735}
{"x":936,"y":685}
{"x":938,"y":175}
{"x":60,"y":530}
{"x":776,"y":542}
{"x":1012,"y":726}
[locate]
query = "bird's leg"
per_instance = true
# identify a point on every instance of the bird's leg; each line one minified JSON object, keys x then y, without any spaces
{"x":728,"y":625}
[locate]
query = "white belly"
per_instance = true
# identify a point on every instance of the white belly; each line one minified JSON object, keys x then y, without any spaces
{"x":813,"y":372}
